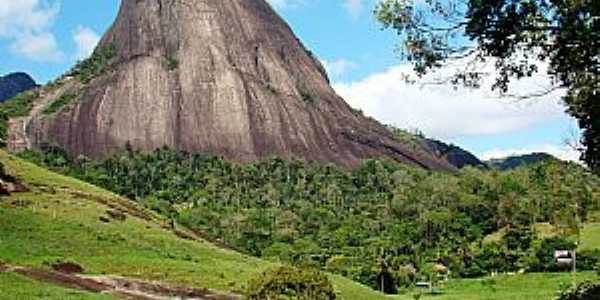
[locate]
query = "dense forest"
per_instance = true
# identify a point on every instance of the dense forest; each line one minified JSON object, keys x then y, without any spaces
{"x":384,"y":224}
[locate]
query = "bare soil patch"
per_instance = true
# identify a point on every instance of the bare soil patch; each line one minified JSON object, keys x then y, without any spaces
{"x":123,"y":287}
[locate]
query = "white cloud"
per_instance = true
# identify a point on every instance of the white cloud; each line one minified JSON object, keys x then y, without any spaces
{"x":41,"y":47}
{"x":338,"y":68}
{"x":26,"y":25}
{"x":354,"y":7}
{"x":443,"y":112}
{"x":562,"y":152}
{"x":86,"y":40}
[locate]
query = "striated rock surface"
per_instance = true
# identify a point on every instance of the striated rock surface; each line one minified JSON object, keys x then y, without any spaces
{"x":223,"y":77}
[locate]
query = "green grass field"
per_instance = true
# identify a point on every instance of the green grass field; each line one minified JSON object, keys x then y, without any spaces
{"x":59,"y":220}
{"x":16,"y":287}
{"x":517,"y":287}
{"x":590,"y":236}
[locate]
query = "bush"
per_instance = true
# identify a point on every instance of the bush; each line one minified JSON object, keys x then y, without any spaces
{"x":172,"y":63}
{"x":405,"y":276}
{"x":584,"y":291}
{"x":587,"y":260}
{"x":94,"y":66}
{"x":291,"y":283}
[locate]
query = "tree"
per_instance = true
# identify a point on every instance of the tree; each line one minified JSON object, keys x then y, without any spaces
{"x":291,"y":283}
{"x":518,"y":36}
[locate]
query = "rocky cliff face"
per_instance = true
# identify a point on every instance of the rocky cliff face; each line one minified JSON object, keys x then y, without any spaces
{"x":224,"y":77}
{"x":13,"y":84}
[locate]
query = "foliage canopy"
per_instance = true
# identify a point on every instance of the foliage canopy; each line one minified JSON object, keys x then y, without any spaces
{"x":518,"y":36}
{"x":290,"y":283}
{"x":382,"y":224}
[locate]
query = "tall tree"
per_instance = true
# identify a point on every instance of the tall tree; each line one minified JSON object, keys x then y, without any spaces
{"x":518,"y":36}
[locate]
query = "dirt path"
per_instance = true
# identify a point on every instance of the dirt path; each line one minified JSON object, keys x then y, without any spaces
{"x":118,"y":286}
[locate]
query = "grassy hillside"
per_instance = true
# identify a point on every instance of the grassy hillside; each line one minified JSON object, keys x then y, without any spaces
{"x":589,"y":235}
{"x":60,"y":220}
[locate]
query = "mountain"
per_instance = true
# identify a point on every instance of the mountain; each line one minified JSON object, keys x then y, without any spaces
{"x":452,"y":154}
{"x":226,"y":78}
{"x":455,"y":155}
{"x":14,"y":84}
{"x":513,"y":162}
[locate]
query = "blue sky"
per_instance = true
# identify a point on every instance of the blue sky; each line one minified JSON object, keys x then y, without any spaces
{"x":46,"y":37}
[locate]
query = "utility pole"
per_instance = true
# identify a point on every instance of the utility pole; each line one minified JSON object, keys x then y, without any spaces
{"x":574,"y":254}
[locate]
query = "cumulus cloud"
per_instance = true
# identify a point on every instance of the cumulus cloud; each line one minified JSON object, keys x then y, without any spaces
{"x":562,"y":152}
{"x":41,"y":47}
{"x":443,"y":111}
{"x":86,"y":40}
{"x":26,"y":25}
{"x":338,"y":68}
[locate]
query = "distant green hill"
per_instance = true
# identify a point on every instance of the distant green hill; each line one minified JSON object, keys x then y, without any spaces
{"x":455,"y":155}
{"x":14,"y":84}
{"x":451,"y":153}
{"x":63,"y":219}
{"x":513,"y":162}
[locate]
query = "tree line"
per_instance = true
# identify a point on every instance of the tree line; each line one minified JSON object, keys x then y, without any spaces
{"x":384,"y":224}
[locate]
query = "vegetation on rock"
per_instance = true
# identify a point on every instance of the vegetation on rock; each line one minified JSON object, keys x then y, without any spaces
{"x":95,"y":65}
{"x":172,"y":63}
{"x":18,"y":106}
{"x":60,"y":103}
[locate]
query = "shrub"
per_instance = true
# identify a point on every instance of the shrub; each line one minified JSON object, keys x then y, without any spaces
{"x":587,"y":260}
{"x":59,"y":103}
{"x":307,"y":97}
{"x":584,"y":291}
{"x":280,"y":251}
{"x":94,"y":66}
{"x":290,"y":283}
{"x":172,"y":63}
